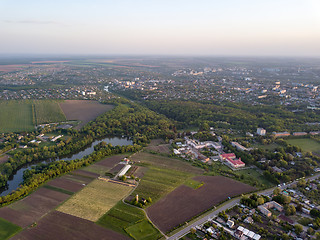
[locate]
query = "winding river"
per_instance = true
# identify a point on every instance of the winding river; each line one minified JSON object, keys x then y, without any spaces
{"x":17,"y":178}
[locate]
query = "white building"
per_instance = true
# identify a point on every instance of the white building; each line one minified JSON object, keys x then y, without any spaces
{"x":261,"y":131}
{"x":124,"y":170}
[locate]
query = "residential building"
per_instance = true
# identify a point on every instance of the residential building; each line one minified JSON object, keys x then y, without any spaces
{"x":239,"y":146}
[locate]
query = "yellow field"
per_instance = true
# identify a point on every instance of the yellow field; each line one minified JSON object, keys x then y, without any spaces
{"x":95,"y":200}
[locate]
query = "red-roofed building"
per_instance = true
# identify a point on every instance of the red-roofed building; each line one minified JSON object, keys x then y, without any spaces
{"x":231,"y":160}
{"x":235,"y":163}
{"x":228,"y":155}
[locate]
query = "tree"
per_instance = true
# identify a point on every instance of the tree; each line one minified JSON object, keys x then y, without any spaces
{"x":315,"y":213}
{"x":193,"y":230}
{"x":290,"y":210}
{"x":260,"y":200}
{"x":123,"y":178}
{"x":298,"y":228}
{"x":276,"y":191}
{"x":310,"y":231}
{"x":285,"y":236}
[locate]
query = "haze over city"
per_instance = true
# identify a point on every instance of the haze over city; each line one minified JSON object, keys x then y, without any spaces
{"x":247,"y":28}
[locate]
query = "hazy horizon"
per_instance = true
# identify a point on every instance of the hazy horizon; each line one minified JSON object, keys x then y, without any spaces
{"x":283,"y":28}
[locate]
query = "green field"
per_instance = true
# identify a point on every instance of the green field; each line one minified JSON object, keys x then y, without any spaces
{"x":157,"y":182}
{"x":143,"y":231}
{"x":7,"y":229}
{"x":16,"y":116}
{"x":95,"y":199}
{"x":307,"y":144}
{"x":48,"y":111}
{"x":23,"y":115}
{"x":122,"y":216}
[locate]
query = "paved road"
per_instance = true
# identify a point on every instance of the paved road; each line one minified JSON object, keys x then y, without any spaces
{"x":229,"y":204}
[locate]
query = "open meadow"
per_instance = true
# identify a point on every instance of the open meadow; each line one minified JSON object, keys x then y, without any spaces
{"x":306,"y":144}
{"x":95,"y":199}
{"x":16,"y":116}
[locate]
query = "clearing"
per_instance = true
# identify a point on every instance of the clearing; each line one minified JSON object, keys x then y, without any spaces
{"x":158,"y":145}
{"x":307,"y":144}
{"x":95,"y":199}
{"x":83,"y":110}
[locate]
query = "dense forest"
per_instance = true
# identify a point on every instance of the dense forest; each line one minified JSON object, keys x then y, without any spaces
{"x":234,"y":115}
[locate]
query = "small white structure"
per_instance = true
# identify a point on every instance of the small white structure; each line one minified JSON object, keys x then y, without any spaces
{"x":261,"y":131}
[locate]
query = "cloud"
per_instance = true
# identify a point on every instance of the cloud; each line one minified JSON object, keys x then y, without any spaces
{"x":33,"y":22}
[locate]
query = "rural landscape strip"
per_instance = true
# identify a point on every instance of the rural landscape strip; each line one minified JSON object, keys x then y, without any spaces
{"x":163,"y":177}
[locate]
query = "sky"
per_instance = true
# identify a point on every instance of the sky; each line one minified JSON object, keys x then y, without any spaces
{"x":161,"y":27}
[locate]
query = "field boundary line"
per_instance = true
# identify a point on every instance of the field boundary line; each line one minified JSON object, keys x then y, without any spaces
{"x":62,"y":110}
